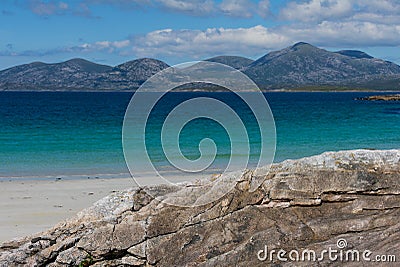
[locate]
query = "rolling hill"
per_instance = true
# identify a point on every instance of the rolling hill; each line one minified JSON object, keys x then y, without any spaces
{"x":79,"y":74}
{"x":301,"y":65}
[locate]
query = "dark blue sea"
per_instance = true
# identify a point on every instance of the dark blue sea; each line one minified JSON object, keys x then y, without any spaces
{"x":50,"y":134}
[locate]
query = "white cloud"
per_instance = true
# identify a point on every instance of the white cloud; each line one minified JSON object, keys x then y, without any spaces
{"x":109,"y":46}
{"x":263,"y":8}
{"x":259,"y":39}
{"x":233,"y":8}
{"x":341,"y":34}
{"x":308,"y":11}
{"x":237,"y":8}
{"x":230,"y":8}
{"x":46,"y":8}
{"x":196,"y":43}
{"x":376,"y":18}
{"x":195,"y":7}
{"x":381,"y":6}
{"x":253,"y":41}
{"x":329,"y":23}
{"x":315,"y":10}
{"x":335,"y":10}
{"x":245,"y":8}
{"x":121,"y":44}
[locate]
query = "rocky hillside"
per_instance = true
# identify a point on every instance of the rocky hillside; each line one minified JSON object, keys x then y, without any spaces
{"x":79,"y":74}
{"x":299,"y":66}
{"x":305,"y":65}
{"x":312,"y":203}
{"x":140,"y":70}
{"x":233,"y":61}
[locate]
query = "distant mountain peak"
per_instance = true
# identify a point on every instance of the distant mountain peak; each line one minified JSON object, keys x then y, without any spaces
{"x":154,"y":64}
{"x":84,"y":65}
{"x":303,"y":64}
{"x":301,"y":44}
{"x":78,"y":60}
{"x":297,"y":48}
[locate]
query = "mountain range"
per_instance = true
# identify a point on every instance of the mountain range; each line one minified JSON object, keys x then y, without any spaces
{"x":299,"y":66}
{"x":79,"y":74}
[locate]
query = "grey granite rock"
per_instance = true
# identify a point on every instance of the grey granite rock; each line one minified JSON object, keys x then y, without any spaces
{"x":308,"y":203}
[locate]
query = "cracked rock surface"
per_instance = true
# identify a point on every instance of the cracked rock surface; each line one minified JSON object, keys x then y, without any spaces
{"x":308,"y":203}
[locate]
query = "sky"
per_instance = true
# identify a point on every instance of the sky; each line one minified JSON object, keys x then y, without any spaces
{"x":115,"y":31}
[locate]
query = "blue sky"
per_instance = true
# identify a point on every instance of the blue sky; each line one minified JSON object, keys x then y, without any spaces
{"x":114,"y":31}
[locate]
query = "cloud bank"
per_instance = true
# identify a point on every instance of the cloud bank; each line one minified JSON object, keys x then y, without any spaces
{"x":327,"y":23}
{"x":230,"y":8}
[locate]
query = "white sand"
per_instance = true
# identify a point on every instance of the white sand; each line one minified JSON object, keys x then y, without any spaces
{"x":27,"y":207}
{"x":31,"y":206}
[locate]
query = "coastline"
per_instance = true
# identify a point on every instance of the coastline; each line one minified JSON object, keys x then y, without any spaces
{"x":29,"y":206}
{"x":59,"y":202}
{"x":297,"y":205}
{"x":289,"y":90}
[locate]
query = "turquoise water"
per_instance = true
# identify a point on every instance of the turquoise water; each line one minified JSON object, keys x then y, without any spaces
{"x":65,"y":133}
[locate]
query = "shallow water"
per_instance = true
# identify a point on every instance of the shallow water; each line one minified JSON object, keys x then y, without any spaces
{"x":78,"y":133}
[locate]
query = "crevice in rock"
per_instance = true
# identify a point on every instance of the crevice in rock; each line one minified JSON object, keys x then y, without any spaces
{"x":381,"y":209}
{"x":115,"y":254}
{"x":54,"y":254}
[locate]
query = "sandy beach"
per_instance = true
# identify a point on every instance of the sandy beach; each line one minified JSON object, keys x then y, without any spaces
{"x":31,"y":206}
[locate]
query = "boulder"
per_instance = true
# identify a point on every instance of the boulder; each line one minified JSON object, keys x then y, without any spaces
{"x":347,"y":201}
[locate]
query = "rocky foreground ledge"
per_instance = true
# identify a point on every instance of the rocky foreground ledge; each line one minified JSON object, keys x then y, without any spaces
{"x":301,"y":204}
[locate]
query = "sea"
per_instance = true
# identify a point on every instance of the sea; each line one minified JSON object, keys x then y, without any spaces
{"x":46,"y":135}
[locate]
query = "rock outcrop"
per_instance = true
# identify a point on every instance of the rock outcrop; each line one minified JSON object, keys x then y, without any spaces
{"x":395,"y":97}
{"x":311,"y":203}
